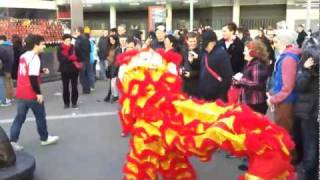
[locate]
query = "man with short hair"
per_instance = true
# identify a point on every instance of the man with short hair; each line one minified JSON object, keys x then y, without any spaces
{"x":158,"y":43}
{"x":122,"y":30}
{"x":29,"y":95}
{"x":233,"y":45}
{"x":191,"y":65}
{"x":131,"y":44}
{"x":301,"y":35}
{"x":102,"y":53}
{"x":215,"y":70}
{"x":83,"y":49}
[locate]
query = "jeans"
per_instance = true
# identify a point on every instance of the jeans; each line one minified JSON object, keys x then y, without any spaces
{"x":40,"y":115}
{"x":103,"y":69}
{"x":84,"y":78}
{"x":66,"y":79}
{"x":92,"y":76}
{"x":114,"y":88}
{"x":2,"y":90}
{"x":8,"y":83}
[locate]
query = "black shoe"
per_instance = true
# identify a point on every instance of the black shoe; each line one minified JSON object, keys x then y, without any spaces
{"x":107,"y":99}
{"x":66,"y":106}
{"x":243,"y":167}
{"x":75,"y":106}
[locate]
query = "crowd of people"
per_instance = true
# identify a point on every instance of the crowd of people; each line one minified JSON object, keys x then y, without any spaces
{"x":275,"y":70}
{"x":51,"y":30}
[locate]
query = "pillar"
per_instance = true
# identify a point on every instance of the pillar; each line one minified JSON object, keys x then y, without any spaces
{"x":236,"y":12}
{"x":169,"y":17}
{"x":113,"y":17}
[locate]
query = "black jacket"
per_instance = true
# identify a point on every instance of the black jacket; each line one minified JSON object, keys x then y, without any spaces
{"x":301,"y":36}
{"x":83,"y":49}
{"x":9,"y":49}
{"x":307,"y":87}
{"x":17,"y":51}
{"x":209,"y":87}
{"x":4,"y":60}
{"x":235,"y":51}
{"x":66,"y":64}
{"x":103,"y":48}
{"x":190,"y":85}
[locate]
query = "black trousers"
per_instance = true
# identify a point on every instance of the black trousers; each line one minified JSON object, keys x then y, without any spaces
{"x":66,"y":79}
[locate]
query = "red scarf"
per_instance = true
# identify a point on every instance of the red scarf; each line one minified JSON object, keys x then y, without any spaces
{"x":65,"y":49}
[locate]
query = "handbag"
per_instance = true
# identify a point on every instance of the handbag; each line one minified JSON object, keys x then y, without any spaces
{"x":233,"y":94}
{"x":78,"y":65}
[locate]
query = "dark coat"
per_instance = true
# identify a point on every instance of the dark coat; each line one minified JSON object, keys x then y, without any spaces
{"x":155,"y":44}
{"x":83,"y":49}
{"x":235,"y":51}
{"x":17,"y":52}
{"x":4,"y":60}
{"x":209,"y":87}
{"x":7,"y":46}
{"x":301,"y":36}
{"x":103,"y":48}
{"x":66,"y":64}
{"x":307,"y":87}
{"x":190,"y":85}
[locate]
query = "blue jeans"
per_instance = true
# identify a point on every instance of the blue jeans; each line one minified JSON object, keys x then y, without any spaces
{"x":103,"y":69}
{"x":2,"y":90}
{"x":92,"y":76}
{"x":40,"y":115}
{"x":85,"y":77}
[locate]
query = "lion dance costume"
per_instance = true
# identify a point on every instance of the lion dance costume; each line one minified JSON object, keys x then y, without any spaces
{"x":167,"y":127}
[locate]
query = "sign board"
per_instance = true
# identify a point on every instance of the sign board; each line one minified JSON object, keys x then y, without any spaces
{"x":156,"y":15}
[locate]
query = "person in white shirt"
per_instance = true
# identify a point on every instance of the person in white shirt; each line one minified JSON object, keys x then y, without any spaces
{"x":28,"y":93}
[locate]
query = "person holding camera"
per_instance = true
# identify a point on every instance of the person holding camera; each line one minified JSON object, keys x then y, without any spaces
{"x":215,"y":74}
{"x":190,"y":66}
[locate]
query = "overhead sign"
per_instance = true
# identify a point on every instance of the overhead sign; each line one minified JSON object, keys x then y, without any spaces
{"x":156,"y":15}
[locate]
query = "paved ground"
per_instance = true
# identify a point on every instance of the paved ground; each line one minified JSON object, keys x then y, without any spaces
{"x":90,"y":147}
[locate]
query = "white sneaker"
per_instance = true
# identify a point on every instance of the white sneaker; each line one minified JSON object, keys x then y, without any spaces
{"x":5,"y":104}
{"x":8,"y":101}
{"x":50,"y":140}
{"x":16,"y":146}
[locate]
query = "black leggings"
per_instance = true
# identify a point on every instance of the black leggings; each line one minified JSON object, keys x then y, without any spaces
{"x":66,"y":78}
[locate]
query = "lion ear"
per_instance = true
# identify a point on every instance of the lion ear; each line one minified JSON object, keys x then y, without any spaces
{"x":124,"y":58}
{"x":170,"y":56}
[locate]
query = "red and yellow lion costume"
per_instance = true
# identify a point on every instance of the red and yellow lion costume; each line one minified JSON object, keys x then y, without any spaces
{"x":167,"y":127}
